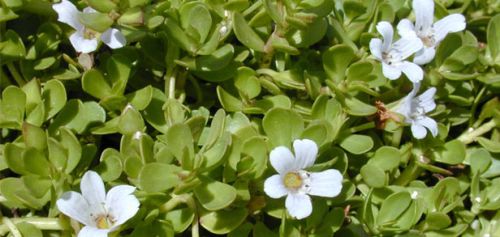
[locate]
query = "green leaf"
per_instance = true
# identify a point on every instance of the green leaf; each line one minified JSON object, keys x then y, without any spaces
{"x":393,"y":207}
{"x":373,"y":175}
{"x":280,"y":133}
{"x":12,"y":46}
{"x":245,"y":34}
{"x":180,"y":140}
{"x":130,"y":121}
{"x":247,"y":83}
{"x":228,"y":101}
{"x":12,"y":107}
{"x":492,"y":146}
{"x":158,"y":177}
{"x":97,"y":21}
{"x":34,"y":137}
{"x":13,"y":159}
{"x":54,"y":98}
{"x":110,"y":166}
{"x":452,"y":153}
{"x":102,"y":5}
{"x":493,"y":37}
{"x":35,"y":162}
{"x":357,"y":144}
{"x":94,"y":83}
{"x":180,"y":37}
{"x":196,"y":20}
{"x":140,"y":99}
{"x":386,"y":158}
{"x":214,"y":195}
{"x":180,"y":219}
{"x":335,"y":61}
{"x":223,"y":221}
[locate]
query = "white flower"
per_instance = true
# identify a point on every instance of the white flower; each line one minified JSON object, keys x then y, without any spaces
{"x":83,"y":39}
{"x":414,"y":110}
{"x":430,"y":34}
{"x":393,"y":56}
{"x":292,"y":180}
{"x":101,"y":213}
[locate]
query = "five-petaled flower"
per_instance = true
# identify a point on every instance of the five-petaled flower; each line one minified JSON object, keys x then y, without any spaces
{"x":101,"y":213}
{"x":414,"y":110}
{"x":295,"y":182}
{"x":84,"y":40}
{"x":393,"y":56}
{"x":430,"y":34}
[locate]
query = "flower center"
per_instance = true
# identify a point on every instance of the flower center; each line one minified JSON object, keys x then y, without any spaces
{"x":293,"y":180}
{"x":392,"y":57}
{"x":89,"y":33}
{"x":418,"y":112}
{"x":104,"y":221}
{"x":427,"y":38}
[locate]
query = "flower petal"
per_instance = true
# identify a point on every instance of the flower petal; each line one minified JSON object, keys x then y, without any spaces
{"x":407,"y":46}
{"x":430,"y":124}
{"x":424,"y":55}
{"x":426,"y":99}
{"x":327,"y":183}
{"x":376,"y":48}
{"x":113,"y":38}
{"x":418,"y":130}
{"x":298,"y":205}
{"x":93,"y":191}
{"x":406,"y":29}
{"x":385,"y":29}
{"x":89,"y":231}
{"x":121,"y":203}
{"x":73,"y":204}
{"x":274,"y":187}
{"x":412,"y":71}
{"x":424,"y":14}
{"x":390,"y":72}
{"x":451,"y":23}
{"x":305,"y":152}
{"x":81,"y":44}
{"x":68,"y":13}
{"x":282,"y":159}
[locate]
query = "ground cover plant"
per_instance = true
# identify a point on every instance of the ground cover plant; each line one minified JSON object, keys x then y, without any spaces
{"x":249,"y":118}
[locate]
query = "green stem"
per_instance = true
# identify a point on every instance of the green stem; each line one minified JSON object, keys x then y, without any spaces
{"x":475,"y":104}
{"x":42,"y":223}
{"x":174,"y":202}
{"x":471,"y":135}
{"x":15,"y":74}
{"x":362,"y":127}
{"x":410,"y":173}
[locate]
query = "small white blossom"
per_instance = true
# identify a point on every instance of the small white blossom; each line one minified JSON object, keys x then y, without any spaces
{"x":414,"y":110}
{"x":430,"y":34}
{"x":295,"y":182}
{"x":101,"y":213}
{"x":393,"y":55}
{"x":85,"y":40}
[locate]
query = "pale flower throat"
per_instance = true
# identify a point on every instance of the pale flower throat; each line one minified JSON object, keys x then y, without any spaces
{"x":297,"y":181}
{"x":103,"y":221}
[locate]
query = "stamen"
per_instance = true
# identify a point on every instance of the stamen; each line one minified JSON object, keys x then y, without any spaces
{"x":293,"y":180}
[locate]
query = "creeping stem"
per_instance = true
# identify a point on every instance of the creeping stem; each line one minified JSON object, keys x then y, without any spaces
{"x":471,"y":136}
{"x":42,"y":223}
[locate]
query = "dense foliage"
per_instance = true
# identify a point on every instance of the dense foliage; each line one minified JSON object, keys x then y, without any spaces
{"x":192,"y":107}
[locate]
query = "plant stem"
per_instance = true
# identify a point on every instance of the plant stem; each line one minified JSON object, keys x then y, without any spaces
{"x":42,"y":223}
{"x":362,"y":127}
{"x":410,"y":173}
{"x":15,"y":74}
{"x":173,"y":202}
{"x":470,"y":136}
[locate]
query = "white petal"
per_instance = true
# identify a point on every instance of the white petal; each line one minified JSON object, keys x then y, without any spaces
{"x":390,"y":72}
{"x":427,"y":99}
{"x":274,"y":187}
{"x":282,"y":160}
{"x":407,"y":46}
{"x":412,"y":71}
{"x":424,"y":55}
{"x":73,"y":204}
{"x":424,"y":14}
{"x":451,"y":23}
{"x":113,"y":38}
{"x":376,"y":48}
{"x":89,"y":10}
{"x":430,"y":124}
{"x":418,"y":131}
{"x":89,"y":231}
{"x":305,"y":152}
{"x":298,"y":205}
{"x":68,"y":13}
{"x":406,"y":28}
{"x":385,"y":29}
{"x":93,"y":191}
{"x":327,"y":183}
{"x":121,"y":203}
{"x":81,"y":44}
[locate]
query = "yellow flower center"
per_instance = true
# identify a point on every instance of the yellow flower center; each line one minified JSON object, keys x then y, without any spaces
{"x":293,"y":180}
{"x":89,"y":33}
{"x":104,"y":222}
